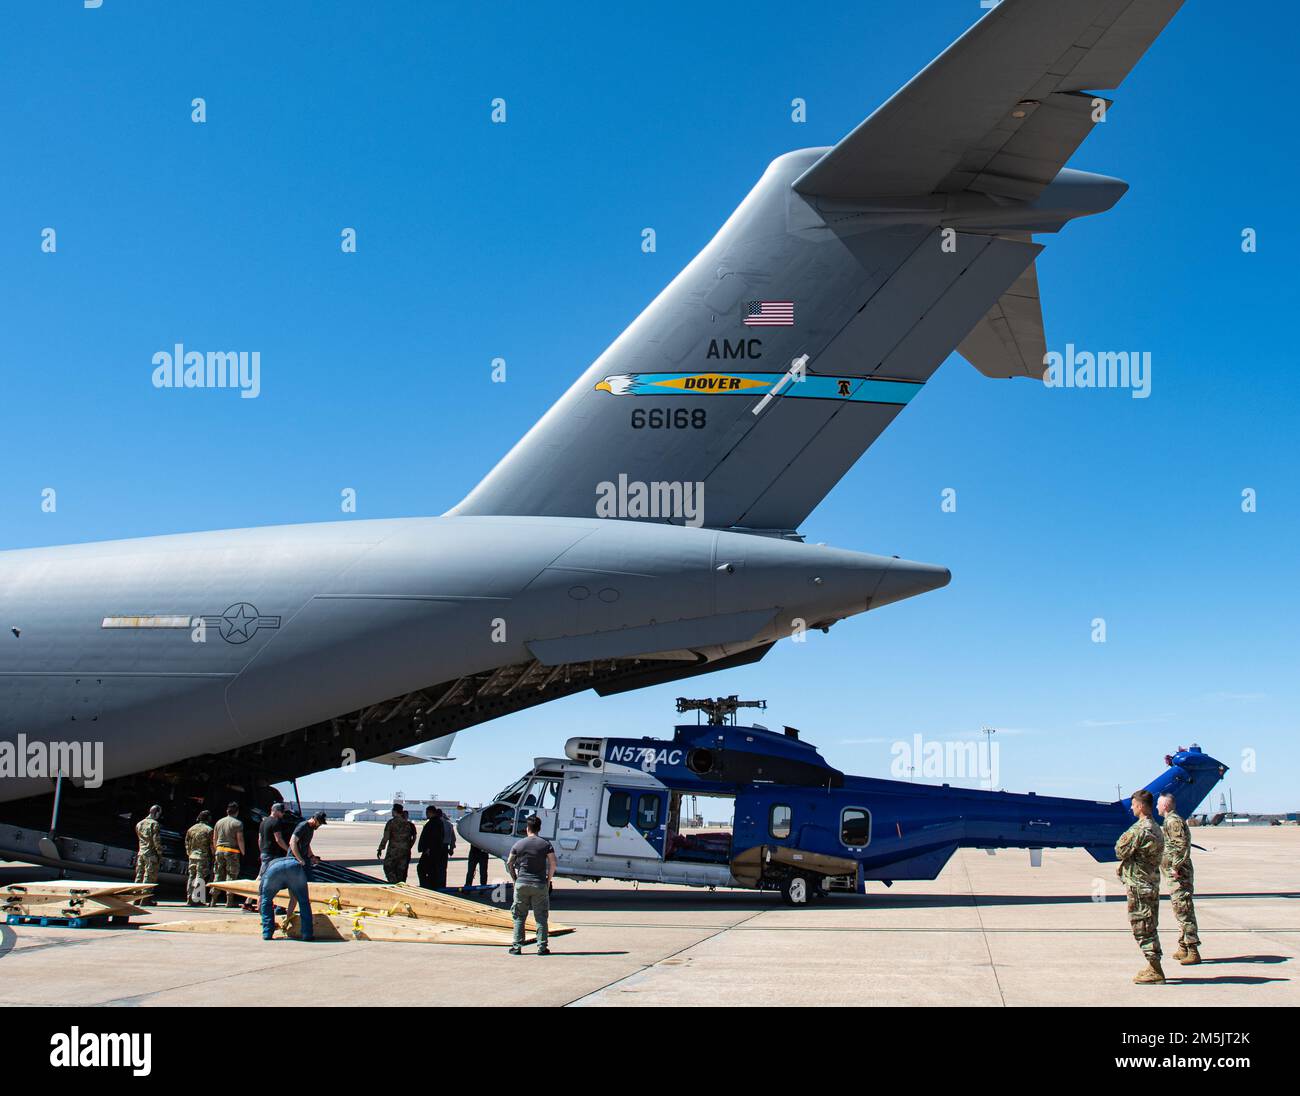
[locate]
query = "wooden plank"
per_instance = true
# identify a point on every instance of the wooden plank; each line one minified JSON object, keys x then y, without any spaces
{"x":61,"y":888}
{"x":81,"y":884}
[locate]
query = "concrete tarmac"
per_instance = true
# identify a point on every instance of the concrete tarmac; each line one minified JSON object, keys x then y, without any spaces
{"x":990,"y":930}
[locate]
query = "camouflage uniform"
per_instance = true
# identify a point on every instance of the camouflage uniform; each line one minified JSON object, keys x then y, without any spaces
{"x":149,"y":854}
{"x":399,"y":836}
{"x":229,"y":865}
{"x":1176,"y":864}
{"x":198,"y":846}
{"x":1139,"y":850}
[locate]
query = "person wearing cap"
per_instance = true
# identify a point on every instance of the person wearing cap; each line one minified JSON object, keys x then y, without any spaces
{"x":399,"y":836}
{"x":271,"y":843}
{"x":300,"y":842}
{"x":291,"y":873}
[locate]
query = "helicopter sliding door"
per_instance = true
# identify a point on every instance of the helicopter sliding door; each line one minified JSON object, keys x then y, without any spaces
{"x":633,"y":822}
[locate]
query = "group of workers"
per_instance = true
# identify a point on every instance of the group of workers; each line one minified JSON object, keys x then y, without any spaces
{"x":531,"y":865}
{"x":437,"y":842}
{"x":216,"y":854}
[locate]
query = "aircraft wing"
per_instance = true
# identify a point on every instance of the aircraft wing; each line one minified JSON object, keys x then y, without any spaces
{"x":436,"y":749}
{"x":1001,"y":110}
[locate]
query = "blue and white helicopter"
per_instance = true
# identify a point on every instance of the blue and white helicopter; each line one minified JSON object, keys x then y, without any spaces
{"x":614,"y":808}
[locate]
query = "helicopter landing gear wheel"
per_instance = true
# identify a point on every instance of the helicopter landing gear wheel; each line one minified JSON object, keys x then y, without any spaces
{"x":797,"y":890}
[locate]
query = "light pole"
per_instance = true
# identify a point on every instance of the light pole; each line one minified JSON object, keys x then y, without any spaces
{"x":988,"y":733}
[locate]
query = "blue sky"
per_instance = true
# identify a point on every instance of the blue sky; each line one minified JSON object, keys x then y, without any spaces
{"x":522,"y":241}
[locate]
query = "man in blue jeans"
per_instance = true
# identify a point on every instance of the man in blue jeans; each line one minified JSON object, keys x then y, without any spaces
{"x":300,"y":854}
{"x":289,"y":873}
{"x":532,"y":866}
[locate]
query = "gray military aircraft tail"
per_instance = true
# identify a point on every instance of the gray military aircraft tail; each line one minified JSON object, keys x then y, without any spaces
{"x":644,"y":531}
{"x":844,"y":279}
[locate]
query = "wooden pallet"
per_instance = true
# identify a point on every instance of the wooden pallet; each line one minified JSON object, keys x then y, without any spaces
{"x":73,"y":901}
{"x":74,"y":907}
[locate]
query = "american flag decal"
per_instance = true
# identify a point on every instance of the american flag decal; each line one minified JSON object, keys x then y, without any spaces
{"x":769,"y":314}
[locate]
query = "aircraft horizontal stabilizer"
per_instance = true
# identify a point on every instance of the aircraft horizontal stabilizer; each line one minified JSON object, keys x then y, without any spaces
{"x":1000,"y":110}
{"x":1009,"y":341}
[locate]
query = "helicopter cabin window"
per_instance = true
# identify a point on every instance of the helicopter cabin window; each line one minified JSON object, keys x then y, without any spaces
{"x":543,"y":795}
{"x":855,"y":826}
{"x":620,"y":809}
{"x":647,"y":812}
{"x":779,"y":821}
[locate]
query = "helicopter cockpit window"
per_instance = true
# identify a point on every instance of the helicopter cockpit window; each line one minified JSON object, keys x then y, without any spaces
{"x":498,"y":818}
{"x":543,"y":795}
{"x":512,"y":793}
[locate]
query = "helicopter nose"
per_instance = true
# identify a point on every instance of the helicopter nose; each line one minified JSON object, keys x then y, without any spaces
{"x":905,"y":578}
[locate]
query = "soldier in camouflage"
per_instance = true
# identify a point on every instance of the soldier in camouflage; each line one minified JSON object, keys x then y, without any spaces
{"x":399,"y":836}
{"x":1176,"y":864}
{"x":1139,"y":849}
{"x":199,"y":848}
{"x":149,"y":854}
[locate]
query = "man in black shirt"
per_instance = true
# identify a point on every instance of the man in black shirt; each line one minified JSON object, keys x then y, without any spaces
{"x":271,"y":842}
{"x":300,"y":843}
{"x":291,"y":873}
{"x":434,"y":851}
{"x":532,"y":866}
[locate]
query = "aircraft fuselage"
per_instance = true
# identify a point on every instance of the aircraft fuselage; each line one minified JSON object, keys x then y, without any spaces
{"x":166,"y":648}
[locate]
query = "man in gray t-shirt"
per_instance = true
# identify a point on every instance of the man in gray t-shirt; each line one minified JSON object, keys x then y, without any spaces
{"x":532,"y":866}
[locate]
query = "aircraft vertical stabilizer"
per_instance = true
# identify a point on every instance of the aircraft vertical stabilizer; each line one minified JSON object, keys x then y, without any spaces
{"x":766,"y":368}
